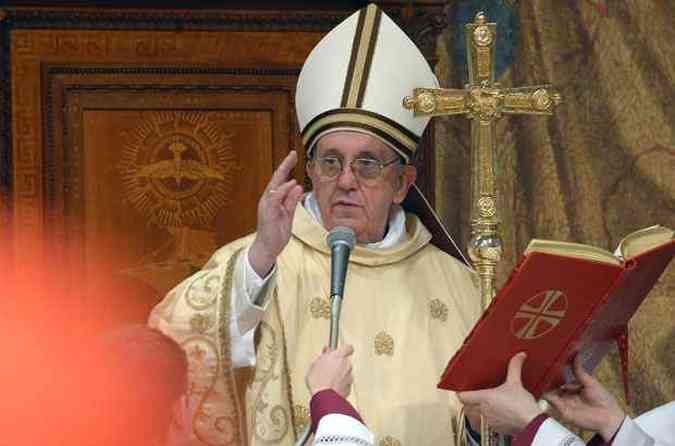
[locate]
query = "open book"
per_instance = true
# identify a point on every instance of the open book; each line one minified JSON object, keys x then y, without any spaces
{"x":561,"y":299}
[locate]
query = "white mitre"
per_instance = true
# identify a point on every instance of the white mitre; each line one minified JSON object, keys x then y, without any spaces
{"x":356,"y":78}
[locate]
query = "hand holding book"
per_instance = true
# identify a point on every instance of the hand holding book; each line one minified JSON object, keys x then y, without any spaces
{"x":587,"y":404}
{"x":509,"y":408}
{"x":561,"y":299}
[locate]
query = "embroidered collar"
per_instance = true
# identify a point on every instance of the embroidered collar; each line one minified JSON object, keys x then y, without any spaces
{"x":406,"y":236}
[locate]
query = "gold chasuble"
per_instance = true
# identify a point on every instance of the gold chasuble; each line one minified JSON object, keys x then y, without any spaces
{"x":406,"y":310}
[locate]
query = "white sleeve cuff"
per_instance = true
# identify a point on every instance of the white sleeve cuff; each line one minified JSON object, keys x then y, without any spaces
{"x":244,"y":315}
{"x":342,"y":430}
{"x":630,"y":433}
{"x":253,"y":283}
{"x":552,"y":433}
{"x":246,"y":291}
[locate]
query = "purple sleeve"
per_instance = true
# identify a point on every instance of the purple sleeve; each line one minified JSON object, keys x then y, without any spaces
{"x":328,"y":401}
{"x":526,"y":437}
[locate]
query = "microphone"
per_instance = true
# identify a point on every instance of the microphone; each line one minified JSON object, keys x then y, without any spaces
{"x":340,"y":240}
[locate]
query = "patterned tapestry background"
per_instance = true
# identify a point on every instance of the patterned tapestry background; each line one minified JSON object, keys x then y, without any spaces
{"x":602,"y":167}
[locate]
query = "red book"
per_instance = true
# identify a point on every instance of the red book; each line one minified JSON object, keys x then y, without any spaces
{"x":561,"y":299}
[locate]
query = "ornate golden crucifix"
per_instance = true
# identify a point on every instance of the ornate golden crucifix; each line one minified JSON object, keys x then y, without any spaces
{"x":483,"y":101}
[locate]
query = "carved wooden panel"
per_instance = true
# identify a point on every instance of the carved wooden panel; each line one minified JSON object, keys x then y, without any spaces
{"x":32,"y":50}
{"x":94,"y":113}
{"x":173,"y":171}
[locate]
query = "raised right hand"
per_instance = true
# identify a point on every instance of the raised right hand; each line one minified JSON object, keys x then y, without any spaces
{"x":587,"y":404}
{"x":275,"y":217}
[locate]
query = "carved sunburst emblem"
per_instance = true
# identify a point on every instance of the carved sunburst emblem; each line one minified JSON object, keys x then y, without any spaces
{"x":178,"y":168}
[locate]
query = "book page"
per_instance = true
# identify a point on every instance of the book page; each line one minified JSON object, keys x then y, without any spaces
{"x":577,"y":250}
{"x":643,"y":240}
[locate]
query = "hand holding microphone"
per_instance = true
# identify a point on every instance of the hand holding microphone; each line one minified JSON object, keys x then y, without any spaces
{"x":332,"y":370}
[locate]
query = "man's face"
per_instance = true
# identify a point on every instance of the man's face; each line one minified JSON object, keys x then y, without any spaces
{"x":348,"y":200}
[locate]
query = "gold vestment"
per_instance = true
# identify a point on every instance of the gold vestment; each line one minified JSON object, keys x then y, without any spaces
{"x":406,"y":310}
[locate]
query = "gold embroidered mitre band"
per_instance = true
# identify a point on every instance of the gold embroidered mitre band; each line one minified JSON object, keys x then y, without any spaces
{"x":355,"y":79}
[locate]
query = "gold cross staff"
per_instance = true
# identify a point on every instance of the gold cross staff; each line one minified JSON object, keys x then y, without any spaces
{"x":483,"y":101}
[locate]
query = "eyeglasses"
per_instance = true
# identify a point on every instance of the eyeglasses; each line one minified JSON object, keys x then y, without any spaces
{"x":367,"y":169}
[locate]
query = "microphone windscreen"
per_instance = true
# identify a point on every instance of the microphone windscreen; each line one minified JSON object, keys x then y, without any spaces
{"x":341,"y":235}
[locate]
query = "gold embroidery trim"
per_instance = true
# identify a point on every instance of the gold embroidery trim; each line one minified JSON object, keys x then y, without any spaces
{"x":439,"y":310}
{"x":371,"y":121}
{"x":198,"y":355}
{"x":388,"y":441}
{"x":204,"y":300}
{"x":364,"y":50}
{"x":320,"y":308}
{"x":226,"y":354}
{"x":384,"y":344}
{"x":203,"y":377}
{"x":287,"y":369}
{"x":200,"y":323}
{"x":270,"y":421}
{"x":300,"y":418}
